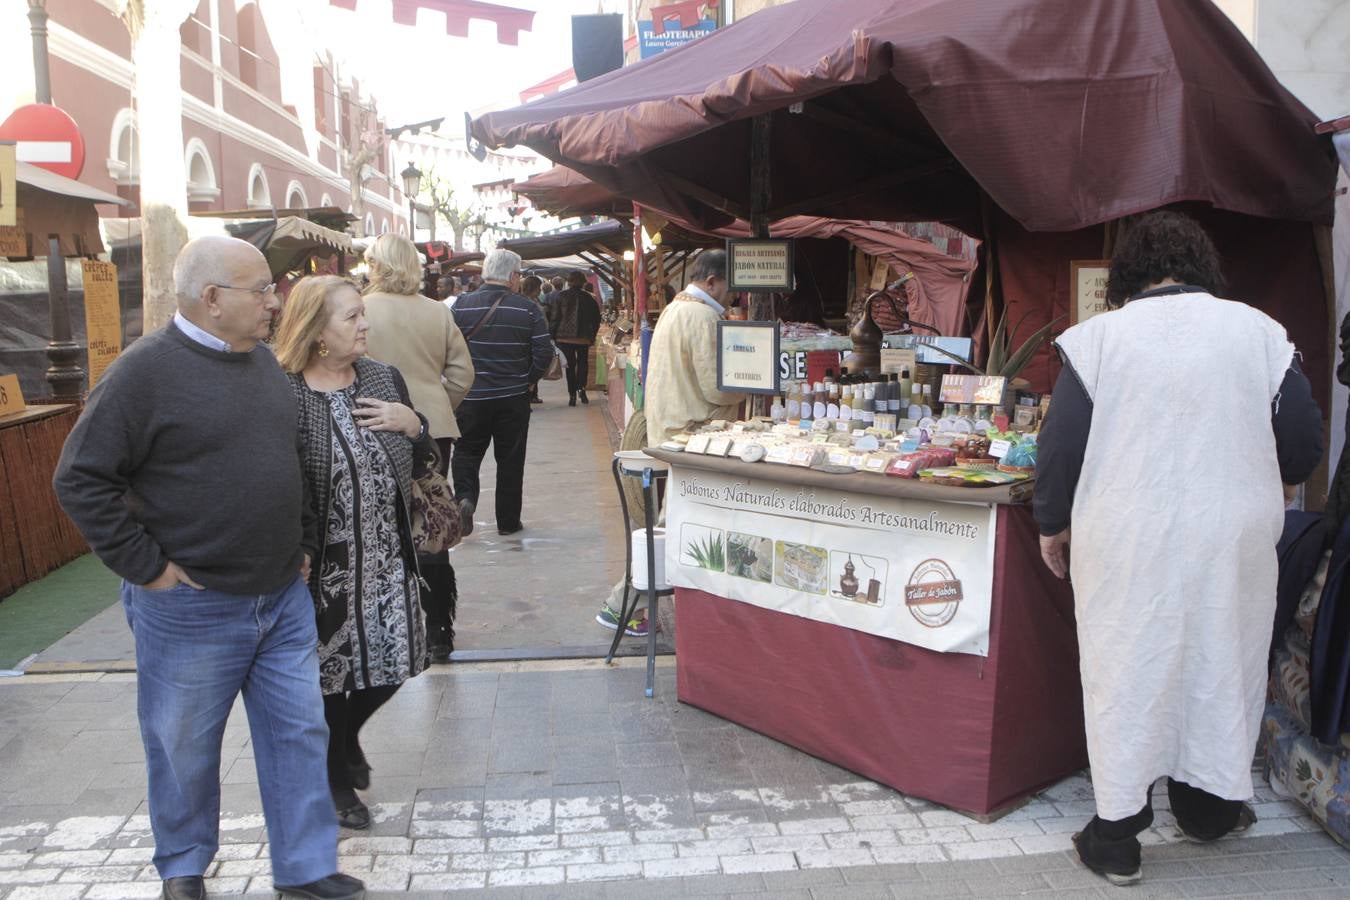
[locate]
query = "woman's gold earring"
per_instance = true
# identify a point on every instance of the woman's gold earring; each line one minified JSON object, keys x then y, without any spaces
{"x":323,"y":349}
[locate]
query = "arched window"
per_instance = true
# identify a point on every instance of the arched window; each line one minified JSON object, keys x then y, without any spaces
{"x":259,"y":194}
{"x":326,"y":201}
{"x":384,"y":226}
{"x":370,"y":224}
{"x":124,"y":154}
{"x":295,"y":196}
{"x":201,"y":173}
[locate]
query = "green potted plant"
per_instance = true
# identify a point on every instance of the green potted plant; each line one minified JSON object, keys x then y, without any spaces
{"x":1005,"y":361}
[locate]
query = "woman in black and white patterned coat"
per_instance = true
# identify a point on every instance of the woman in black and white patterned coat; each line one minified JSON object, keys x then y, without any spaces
{"x":360,"y":436}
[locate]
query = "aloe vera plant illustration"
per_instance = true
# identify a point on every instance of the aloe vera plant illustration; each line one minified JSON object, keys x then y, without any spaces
{"x":709,"y":553}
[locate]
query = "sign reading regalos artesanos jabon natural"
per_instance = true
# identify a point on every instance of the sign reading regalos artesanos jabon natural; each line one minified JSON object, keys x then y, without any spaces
{"x":759,"y":265}
{"x":915,"y":571}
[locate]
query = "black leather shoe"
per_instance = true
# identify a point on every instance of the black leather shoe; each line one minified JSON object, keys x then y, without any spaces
{"x":185,"y":887}
{"x":511,"y":529}
{"x":466,"y":511}
{"x":572,"y":401}
{"x":335,"y":887}
{"x":355,"y":816}
{"x":584,"y":399}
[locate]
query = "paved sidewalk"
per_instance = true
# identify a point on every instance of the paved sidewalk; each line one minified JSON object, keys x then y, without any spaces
{"x":530,"y":595}
{"x":560,"y":780}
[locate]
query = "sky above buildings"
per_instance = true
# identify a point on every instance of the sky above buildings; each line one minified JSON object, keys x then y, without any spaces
{"x":423,"y":73}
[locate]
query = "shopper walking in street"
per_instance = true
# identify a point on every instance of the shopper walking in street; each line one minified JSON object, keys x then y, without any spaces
{"x":680,"y":389}
{"x":418,"y":337}
{"x":576,"y":322}
{"x":511,"y":348}
{"x":532,"y":286}
{"x":361,"y":441}
{"x":184,"y":475}
{"x":1173,"y":545}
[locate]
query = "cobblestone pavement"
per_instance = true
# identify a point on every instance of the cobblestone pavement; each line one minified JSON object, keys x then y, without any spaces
{"x":559,"y":779}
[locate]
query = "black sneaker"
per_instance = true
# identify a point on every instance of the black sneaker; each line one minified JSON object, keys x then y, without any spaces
{"x":1117,"y":863}
{"x":334,"y":887}
{"x":1246,"y":819}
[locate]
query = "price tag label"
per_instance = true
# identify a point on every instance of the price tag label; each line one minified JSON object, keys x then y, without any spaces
{"x":807,"y":456}
{"x":11,"y":397}
{"x":781,"y":453}
{"x":999,"y":449}
{"x":877,"y":462}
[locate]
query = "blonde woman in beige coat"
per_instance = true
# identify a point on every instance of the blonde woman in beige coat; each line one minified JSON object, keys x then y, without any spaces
{"x":418,"y":336}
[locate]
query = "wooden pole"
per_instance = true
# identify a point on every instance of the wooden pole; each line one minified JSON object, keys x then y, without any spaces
{"x":761,"y":193}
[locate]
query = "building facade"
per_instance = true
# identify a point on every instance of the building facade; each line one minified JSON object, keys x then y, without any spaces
{"x":261,"y":129}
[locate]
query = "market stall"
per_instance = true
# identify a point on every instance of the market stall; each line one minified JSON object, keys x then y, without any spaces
{"x":902,"y":630}
{"x":902,"y":111}
{"x":42,"y":351}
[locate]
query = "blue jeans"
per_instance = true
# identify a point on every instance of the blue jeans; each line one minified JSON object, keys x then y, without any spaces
{"x":195,"y":651}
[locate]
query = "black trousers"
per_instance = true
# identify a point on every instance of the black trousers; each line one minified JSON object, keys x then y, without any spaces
{"x":505,"y":424}
{"x":1115,"y":842}
{"x":346,"y":713}
{"x":578,"y":363}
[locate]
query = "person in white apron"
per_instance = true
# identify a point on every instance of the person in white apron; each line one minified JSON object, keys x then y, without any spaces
{"x":1174,"y":423}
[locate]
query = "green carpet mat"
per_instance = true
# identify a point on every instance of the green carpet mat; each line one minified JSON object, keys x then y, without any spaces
{"x":37,"y":615}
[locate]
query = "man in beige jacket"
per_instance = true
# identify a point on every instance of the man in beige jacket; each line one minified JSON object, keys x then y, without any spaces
{"x":681,"y":382}
{"x":419,"y":337}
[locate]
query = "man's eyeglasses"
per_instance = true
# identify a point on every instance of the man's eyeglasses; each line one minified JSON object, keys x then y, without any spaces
{"x":264,"y":291}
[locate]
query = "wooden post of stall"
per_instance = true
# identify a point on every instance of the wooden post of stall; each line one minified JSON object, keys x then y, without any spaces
{"x":760,"y":307}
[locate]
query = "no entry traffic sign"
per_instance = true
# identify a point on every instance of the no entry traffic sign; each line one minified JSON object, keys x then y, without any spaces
{"x":47,"y":136}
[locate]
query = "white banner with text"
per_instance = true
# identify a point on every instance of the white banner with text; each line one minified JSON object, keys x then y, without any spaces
{"x":915,"y":571}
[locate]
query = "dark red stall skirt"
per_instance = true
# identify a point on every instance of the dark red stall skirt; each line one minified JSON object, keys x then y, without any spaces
{"x":975,"y":734}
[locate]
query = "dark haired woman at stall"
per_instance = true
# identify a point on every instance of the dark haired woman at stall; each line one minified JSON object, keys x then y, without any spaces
{"x":1175,"y":422}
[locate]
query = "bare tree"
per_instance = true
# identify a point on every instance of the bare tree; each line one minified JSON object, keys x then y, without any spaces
{"x":444,"y":205}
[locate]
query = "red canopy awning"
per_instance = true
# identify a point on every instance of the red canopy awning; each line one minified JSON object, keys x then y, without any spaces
{"x":1067,"y":113}
{"x":563,"y":192}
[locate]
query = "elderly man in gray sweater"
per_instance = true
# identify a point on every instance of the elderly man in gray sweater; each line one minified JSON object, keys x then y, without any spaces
{"x":183,"y":473}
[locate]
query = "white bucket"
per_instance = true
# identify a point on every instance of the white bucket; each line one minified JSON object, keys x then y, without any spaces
{"x":638,"y":541}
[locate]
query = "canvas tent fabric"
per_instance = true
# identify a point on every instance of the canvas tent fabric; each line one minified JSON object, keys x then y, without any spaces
{"x":944,"y":280}
{"x":286,"y":242}
{"x":1066,"y":113}
{"x":564,"y":192}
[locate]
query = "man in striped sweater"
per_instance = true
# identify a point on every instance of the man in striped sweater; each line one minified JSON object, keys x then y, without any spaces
{"x":510,"y":345}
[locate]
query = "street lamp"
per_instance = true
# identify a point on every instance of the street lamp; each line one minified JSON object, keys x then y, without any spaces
{"x":412,"y":185}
